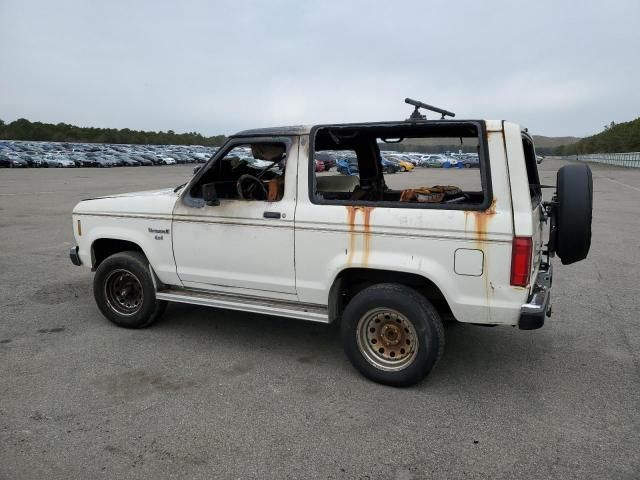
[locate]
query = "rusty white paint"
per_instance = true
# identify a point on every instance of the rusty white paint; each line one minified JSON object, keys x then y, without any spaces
{"x":128,"y":217}
{"x":232,"y":248}
{"x":468,"y":261}
{"x":493,"y":125}
{"x":331,"y":238}
{"x":526,"y":219}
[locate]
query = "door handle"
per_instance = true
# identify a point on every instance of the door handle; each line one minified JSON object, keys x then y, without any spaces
{"x":271,"y":215}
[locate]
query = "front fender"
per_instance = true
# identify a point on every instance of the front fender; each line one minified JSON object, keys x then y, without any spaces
{"x":152,"y":235}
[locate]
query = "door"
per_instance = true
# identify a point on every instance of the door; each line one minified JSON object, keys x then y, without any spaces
{"x":244,"y":241}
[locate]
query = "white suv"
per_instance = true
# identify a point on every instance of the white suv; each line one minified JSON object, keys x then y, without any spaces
{"x":388,"y":256}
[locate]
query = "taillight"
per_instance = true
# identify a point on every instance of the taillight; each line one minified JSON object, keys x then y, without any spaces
{"x":521,"y":261}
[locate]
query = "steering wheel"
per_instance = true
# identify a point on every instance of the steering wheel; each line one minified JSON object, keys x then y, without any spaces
{"x":244,"y":194}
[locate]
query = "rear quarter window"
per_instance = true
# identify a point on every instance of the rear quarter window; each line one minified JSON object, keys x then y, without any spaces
{"x":532,"y":170}
{"x":426,"y":165}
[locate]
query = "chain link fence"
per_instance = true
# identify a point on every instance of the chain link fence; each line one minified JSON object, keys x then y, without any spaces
{"x":631,"y":159}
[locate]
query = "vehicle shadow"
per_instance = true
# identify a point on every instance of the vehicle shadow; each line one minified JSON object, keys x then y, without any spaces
{"x":474,"y":355}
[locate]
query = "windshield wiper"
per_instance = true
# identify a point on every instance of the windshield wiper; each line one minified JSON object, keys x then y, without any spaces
{"x":179,"y":187}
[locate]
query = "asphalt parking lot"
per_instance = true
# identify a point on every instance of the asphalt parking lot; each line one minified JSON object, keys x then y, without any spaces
{"x":208,"y":393}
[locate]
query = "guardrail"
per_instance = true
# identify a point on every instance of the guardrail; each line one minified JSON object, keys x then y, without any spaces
{"x":631,"y":159}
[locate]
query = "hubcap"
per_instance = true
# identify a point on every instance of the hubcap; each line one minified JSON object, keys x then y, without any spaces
{"x":387,"y":339}
{"x":123,"y":292}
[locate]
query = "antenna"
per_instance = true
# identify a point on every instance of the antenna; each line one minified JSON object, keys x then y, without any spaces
{"x":416,"y":115}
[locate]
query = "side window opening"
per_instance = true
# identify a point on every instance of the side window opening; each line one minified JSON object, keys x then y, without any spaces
{"x":436,"y":165}
{"x":532,"y":170}
{"x":249,"y":171}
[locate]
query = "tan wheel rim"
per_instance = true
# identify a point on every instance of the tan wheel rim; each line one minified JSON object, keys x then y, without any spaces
{"x":387,"y":339}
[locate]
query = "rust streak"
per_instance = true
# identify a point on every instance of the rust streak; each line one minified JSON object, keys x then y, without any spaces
{"x":366,"y":232}
{"x":481,"y":221}
{"x":351,"y":217}
{"x":366,"y":241}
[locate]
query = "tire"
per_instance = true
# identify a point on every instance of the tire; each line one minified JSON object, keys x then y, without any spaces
{"x":404,"y":323}
{"x":573,"y":213}
{"x":127,"y":271}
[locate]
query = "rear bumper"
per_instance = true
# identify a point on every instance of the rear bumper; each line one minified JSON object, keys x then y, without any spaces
{"x":75,"y":258}
{"x":538,"y":306}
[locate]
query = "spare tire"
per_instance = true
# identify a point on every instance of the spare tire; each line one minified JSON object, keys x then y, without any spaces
{"x":573,"y":213}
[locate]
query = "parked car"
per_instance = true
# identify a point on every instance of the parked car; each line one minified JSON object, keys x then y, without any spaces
{"x":59,"y":162}
{"x":403,"y":165}
{"x":129,"y":162}
{"x":328,"y":160}
{"x":348,"y":166}
{"x":141,"y":160}
{"x":115,"y":160}
{"x":469,"y":162}
{"x":103,"y":162}
{"x":429,"y":161}
{"x":447,"y":161}
{"x":34,"y":161}
{"x":86,"y":161}
{"x":17,"y":162}
{"x":389,"y":166}
{"x":5,"y":161}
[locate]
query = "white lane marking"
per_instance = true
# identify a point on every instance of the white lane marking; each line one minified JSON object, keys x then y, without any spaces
{"x":620,"y":183}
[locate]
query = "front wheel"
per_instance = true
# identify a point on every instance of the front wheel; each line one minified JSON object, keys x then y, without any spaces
{"x":124,"y":291}
{"x":392,"y":334}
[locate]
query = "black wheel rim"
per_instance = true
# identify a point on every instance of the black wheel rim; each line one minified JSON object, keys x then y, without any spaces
{"x":123,"y":292}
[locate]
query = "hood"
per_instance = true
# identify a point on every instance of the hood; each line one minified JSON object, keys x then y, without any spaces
{"x":150,"y":202}
{"x":143,"y":193}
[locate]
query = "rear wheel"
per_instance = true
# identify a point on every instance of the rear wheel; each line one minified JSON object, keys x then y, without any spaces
{"x":392,"y":334}
{"x":124,"y":291}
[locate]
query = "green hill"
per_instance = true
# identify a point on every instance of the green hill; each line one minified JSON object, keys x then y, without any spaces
{"x":542,"y":142}
{"x":23,"y":129}
{"x":616,"y":138}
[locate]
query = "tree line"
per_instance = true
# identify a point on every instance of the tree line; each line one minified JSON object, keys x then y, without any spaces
{"x":23,"y":129}
{"x":616,"y":138}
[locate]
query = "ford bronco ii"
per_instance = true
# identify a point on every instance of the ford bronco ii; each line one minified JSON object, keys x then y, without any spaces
{"x":388,"y":256}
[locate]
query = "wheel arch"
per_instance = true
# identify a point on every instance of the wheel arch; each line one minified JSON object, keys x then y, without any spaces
{"x":102,"y":248}
{"x":349,"y":281}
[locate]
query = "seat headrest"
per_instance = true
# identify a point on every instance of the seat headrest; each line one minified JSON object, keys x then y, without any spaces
{"x":268,"y":151}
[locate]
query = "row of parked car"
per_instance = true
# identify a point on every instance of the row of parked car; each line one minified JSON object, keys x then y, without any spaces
{"x":63,"y":155}
{"x":393,"y":162}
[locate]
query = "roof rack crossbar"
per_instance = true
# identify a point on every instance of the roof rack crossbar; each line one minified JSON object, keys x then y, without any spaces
{"x":416,"y":115}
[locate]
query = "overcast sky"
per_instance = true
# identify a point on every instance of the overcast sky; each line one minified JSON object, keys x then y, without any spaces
{"x":559,"y":68}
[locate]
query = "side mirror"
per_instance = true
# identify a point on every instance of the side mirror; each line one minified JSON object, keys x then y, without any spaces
{"x":209,"y":194}
{"x":196,"y":169}
{"x":539,"y":159}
